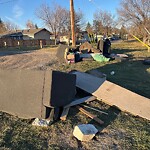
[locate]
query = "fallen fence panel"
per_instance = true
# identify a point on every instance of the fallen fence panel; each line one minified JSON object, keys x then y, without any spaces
{"x":114,"y":95}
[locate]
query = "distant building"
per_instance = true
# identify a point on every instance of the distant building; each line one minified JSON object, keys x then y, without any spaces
{"x":83,"y":35}
{"x":28,"y":34}
{"x":64,"y":38}
{"x":80,"y":37}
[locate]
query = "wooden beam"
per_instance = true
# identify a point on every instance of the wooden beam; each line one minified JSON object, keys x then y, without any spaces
{"x":94,"y":117}
{"x":102,"y":112}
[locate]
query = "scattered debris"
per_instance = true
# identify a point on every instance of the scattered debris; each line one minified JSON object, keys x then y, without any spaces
{"x":122,"y":55}
{"x":87,"y":82}
{"x":109,"y":93}
{"x":61,"y":51}
{"x":86,"y":57}
{"x":94,"y":117}
{"x":41,"y":122}
{"x":73,"y":103}
{"x":70,"y":57}
{"x":119,"y":57}
{"x":64,"y":113}
{"x":85,"y":132}
{"x":47,"y":87}
{"x":86,"y":52}
{"x":112,"y":72}
{"x":107,"y":48}
{"x":81,"y":100}
{"x":100,"y":58}
{"x":102,"y":112}
{"x":146,"y":62}
{"x":86,"y":47}
{"x":35,"y":92}
{"x":100,"y":45}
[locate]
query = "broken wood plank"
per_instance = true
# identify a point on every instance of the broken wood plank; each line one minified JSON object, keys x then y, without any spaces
{"x":114,"y":95}
{"x":81,"y":100}
{"x":64,"y":113}
{"x":94,"y":117}
{"x":102,"y":112}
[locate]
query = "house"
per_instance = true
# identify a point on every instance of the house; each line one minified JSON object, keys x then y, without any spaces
{"x":64,"y":38}
{"x":80,"y":37}
{"x":53,"y":38}
{"x":13,"y":35}
{"x":40,"y":33}
{"x":83,"y":35}
{"x":28,"y":34}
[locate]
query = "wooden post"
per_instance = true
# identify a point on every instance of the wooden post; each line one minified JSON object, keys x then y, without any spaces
{"x":72,"y":18}
{"x":41,"y":44}
{"x":64,"y":113}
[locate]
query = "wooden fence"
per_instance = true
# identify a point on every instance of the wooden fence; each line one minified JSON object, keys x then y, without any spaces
{"x":7,"y":42}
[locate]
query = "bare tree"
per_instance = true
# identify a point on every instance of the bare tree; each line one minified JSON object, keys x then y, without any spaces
{"x":89,"y":28}
{"x":54,"y":18}
{"x":30,"y":24}
{"x":10,"y":26}
{"x":137,"y":14}
{"x":2,"y":26}
{"x":79,"y":23}
{"x":106,"y":19}
{"x":98,"y":27}
{"x":72,"y":16}
{"x":90,"y":32}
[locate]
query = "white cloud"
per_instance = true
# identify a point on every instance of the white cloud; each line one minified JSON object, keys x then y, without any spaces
{"x":17,"y":11}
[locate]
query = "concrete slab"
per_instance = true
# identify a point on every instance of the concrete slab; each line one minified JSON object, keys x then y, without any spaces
{"x":85,"y":132}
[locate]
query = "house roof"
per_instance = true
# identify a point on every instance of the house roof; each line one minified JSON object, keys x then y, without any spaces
{"x":8,"y":34}
{"x":32,"y":31}
{"x":24,"y":32}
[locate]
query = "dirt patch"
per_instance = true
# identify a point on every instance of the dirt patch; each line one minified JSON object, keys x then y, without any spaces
{"x":29,"y":60}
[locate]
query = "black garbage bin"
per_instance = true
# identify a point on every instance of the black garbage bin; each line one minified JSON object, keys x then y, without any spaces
{"x":107,"y":48}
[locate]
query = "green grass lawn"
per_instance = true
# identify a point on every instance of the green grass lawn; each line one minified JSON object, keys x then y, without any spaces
{"x":120,"y":131}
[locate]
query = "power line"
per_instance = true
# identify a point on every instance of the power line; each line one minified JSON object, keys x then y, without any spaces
{"x":7,"y":1}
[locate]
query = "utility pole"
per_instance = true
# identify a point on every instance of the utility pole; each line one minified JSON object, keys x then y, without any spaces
{"x":72,"y":18}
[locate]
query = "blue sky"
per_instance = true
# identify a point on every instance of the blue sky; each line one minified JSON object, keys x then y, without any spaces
{"x":19,"y":11}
